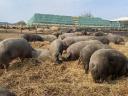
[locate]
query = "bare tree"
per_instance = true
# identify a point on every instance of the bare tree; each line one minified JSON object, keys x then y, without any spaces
{"x":86,"y":14}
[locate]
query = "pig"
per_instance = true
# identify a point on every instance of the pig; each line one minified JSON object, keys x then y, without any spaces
{"x":49,"y":38}
{"x":86,"y":53}
{"x":41,"y":54}
{"x":13,"y":48}
{"x":70,"y":40}
{"x":6,"y":92}
{"x":107,"y":63}
{"x":56,"y":50}
{"x":116,"y":39}
{"x":32,"y":37}
{"x":73,"y":51}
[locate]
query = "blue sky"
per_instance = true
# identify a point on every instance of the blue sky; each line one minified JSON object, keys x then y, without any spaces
{"x":15,"y":10}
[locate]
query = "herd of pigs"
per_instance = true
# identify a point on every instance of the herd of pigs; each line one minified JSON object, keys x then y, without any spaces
{"x":91,"y":49}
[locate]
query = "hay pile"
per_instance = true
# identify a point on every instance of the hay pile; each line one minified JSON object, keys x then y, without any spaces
{"x":32,"y":78}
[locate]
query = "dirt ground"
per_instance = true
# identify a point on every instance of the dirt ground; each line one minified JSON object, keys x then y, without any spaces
{"x":31,"y":78}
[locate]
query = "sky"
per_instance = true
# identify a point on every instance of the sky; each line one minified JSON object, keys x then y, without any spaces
{"x":16,"y":10}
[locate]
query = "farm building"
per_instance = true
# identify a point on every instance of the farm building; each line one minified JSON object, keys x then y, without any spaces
{"x":42,"y":19}
{"x":47,"y":19}
{"x":123,"y":21}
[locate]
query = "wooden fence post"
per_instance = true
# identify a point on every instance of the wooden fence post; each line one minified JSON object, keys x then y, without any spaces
{"x":6,"y":28}
{"x":36,"y":26}
{"x":21,"y":29}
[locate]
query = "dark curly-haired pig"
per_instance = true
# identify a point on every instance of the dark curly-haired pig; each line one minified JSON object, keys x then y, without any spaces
{"x":65,"y":35}
{"x":32,"y":37}
{"x":86,"y":53}
{"x":56,"y":50}
{"x":70,"y":40}
{"x":99,"y":34}
{"x":117,"y":39}
{"x":107,"y":64}
{"x":42,"y":54}
{"x":49,"y":38}
{"x":57,"y":33}
{"x":13,"y":48}
{"x":103,"y":39}
{"x":6,"y":92}
{"x":73,"y":51}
